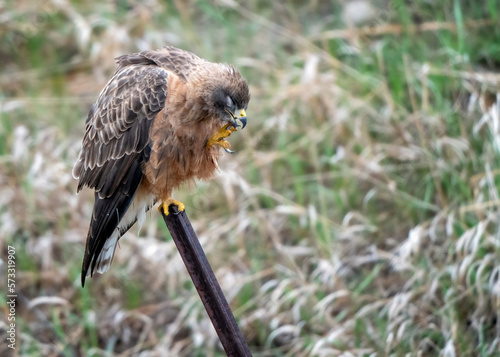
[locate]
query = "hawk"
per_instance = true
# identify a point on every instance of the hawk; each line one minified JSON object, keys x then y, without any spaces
{"x":159,"y":122}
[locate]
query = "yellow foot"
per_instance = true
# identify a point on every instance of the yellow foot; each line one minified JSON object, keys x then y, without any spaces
{"x":163,"y":208}
{"x":218,"y":138}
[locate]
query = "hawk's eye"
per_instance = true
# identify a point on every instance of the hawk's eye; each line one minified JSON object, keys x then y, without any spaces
{"x":229,"y":102}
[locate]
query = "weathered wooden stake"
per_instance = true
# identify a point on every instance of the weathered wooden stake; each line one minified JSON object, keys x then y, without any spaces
{"x":206,"y":283}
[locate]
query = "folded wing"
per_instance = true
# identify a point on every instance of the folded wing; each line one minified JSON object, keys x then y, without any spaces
{"x":116,"y":144}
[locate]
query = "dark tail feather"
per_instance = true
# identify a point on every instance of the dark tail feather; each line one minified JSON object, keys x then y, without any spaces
{"x":108,"y":212}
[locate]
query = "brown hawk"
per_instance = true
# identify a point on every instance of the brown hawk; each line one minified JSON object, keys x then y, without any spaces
{"x":159,"y":122}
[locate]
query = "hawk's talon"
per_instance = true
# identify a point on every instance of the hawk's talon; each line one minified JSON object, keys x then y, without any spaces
{"x":218,"y":137}
{"x":163,"y":207}
{"x":225,"y":144}
{"x":229,"y":151}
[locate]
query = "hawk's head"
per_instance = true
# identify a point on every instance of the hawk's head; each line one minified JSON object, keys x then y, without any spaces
{"x":226,"y":95}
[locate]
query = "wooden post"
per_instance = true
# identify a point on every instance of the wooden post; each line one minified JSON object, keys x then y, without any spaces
{"x":205,"y":282}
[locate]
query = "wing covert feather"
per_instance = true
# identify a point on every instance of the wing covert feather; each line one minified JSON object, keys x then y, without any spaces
{"x":118,"y":125}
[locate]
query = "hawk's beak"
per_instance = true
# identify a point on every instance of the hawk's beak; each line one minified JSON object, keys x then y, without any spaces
{"x":232,"y":124}
{"x":243,"y":118}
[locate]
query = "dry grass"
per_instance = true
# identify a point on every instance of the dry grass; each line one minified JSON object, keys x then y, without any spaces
{"x":359,"y":218}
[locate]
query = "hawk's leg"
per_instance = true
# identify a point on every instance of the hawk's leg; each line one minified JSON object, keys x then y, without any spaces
{"x":163,"y":208}
{"x":218,"y":137}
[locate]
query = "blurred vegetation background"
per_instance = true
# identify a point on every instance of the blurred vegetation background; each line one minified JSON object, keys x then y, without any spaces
{"x":359,"y":217}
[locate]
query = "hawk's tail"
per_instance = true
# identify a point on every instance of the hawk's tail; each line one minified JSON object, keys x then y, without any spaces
{"x":106,"y":255}
{"x":98,"y":258}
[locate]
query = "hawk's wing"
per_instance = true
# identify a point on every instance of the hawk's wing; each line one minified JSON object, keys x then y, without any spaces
{"x":115,"y":145}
